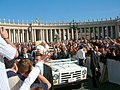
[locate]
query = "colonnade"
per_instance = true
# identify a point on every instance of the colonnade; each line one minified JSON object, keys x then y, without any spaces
{"x":50,"y":32}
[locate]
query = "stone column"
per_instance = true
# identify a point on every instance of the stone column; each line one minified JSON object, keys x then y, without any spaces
{"x":94,"y":33}
{"x":23,"y":35}
{"x":81,"y":33}
{"x":47,"y":35}
{"x":117,"y":31}
{"x":72,"y":33}
{"x":63,"y":34}
{"x":27,"y":35}
{"x":98,"y":33}
{"x":111,"y":32}
{"x":76,"y":34}
{"x":14,"y":35}
{"x":51,"y":37}
{"x":40,"y":33}
{"x":60,"y":34}
{"x":103,"y":34}
{"x":107,"y":34}
{"x":43,"y":35}
{"x":85,"y":32}
{"x":89,"y":33}
{"x":55,"y":31}
{"x":18,"y":36}
{"x":68,"y":34}
{"x":9,"y":33}
{"x":34,"y":35}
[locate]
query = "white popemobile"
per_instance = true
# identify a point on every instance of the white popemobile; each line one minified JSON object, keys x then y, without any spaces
{"x":66,"y":72}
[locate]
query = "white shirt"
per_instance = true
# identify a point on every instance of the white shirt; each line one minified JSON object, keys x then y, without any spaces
{"x":80,"y":54}
{"x":6,"y":50}
{"x":32,"y":76}
{"x":25,"y":55}
{"x":41,"y":48}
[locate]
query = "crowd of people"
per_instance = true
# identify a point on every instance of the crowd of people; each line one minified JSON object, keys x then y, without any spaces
{"x":97,"y":50}
{"x":20,"y":70}
{"x":25,"y":61}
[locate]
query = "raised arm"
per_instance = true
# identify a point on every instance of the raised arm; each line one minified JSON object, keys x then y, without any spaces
{"x":7,"y":44}
{"x":44,"y":80}
{"x":31,"y":77}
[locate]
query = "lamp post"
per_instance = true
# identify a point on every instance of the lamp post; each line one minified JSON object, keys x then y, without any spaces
{"x":29,"y":31}
{"x":73,"y":27}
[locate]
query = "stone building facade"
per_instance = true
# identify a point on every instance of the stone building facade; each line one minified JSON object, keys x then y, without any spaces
{"x":26,"y":32}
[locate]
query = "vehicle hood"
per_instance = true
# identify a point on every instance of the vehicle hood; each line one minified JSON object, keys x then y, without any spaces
{"x":63,"y":66}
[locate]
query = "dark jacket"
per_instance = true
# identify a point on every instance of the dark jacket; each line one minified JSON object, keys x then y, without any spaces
{"x":94,"y":61}
{"x":29,"y":57}
{"x":47,"y":73}
{"x":64,"y":54}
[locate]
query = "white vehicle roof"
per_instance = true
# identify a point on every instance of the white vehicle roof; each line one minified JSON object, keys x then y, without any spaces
{"x":64,"y":65}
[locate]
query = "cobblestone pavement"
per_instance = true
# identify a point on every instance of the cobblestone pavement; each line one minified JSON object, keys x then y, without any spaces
{"x":88,"y":86}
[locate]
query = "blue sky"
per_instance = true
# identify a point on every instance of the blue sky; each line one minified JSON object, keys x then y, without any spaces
{"x":55,"y":10}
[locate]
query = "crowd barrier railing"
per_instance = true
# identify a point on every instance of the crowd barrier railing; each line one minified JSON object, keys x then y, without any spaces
{"x":113,"y":71}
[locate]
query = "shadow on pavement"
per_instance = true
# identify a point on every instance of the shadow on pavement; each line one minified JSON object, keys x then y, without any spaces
{"x":88,"y":86}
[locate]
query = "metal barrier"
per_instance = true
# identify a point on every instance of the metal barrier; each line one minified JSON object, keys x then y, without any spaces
{"x":113,"y":71}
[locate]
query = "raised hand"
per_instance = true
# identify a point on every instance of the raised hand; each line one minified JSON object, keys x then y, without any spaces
{"x":3,"y":33}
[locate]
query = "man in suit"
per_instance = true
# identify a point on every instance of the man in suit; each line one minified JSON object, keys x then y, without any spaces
{"x":46,"y":71}
{"x":25,"y":54}
{"x":94,"y":66}
{"x":64,"y":52}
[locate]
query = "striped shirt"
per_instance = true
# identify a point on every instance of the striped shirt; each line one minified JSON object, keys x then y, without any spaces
{"x":9,"y":52}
